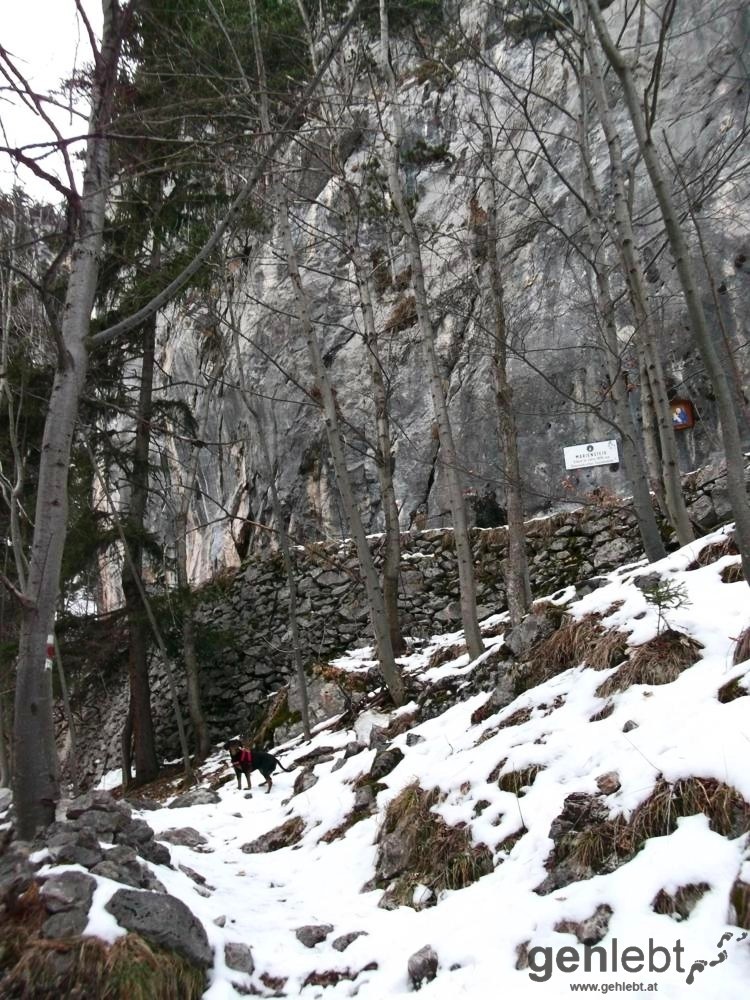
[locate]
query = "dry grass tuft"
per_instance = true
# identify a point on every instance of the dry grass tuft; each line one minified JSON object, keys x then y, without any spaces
{"x":85,"y":966}
{"x":445,"y":654}
{"x":727,"y":812}
{"x":683,"y":902}
{"x":402,"y":316}
{"x":574,"y":642}
{"x":739,"y":897}
{"x":603,"y":713}
{"x":742,"y":647}
{"x":715,"y":551}
{"x":518,"y":782}
{"x":661,"y":660}
{"x":436,"y":855}
{"x":732,"y":690}
{"x":516,"y":718}
{"x":732,"y":573}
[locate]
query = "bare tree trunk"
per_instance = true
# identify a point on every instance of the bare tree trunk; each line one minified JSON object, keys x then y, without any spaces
{"x":189,"y":654}
{"x":517,"y":582}
{"x":155,"y":630}
{"x":378,"y":616}
{"x":383,"y":454}
{"x":635,"y":472}
{"x":464,"y":556}
{"x":389,"y":669}
{"x":146,"y":759}
{"x":282,"y":529}
{"x":384,"y":460}
{"x":180,"y":512}
{"x":5,"y":775}
{"x":678,"y":244}
{"x":645,"y":333}
{"x":68,"y":713}
{"x":35,"y":783}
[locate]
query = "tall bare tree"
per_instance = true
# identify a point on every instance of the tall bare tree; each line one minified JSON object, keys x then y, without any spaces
{"x":448,"y":454}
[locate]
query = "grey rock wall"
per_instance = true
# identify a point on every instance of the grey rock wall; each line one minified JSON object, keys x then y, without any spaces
{"x":557,"y":369}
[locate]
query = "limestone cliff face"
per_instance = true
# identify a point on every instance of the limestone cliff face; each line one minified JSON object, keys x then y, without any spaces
{"x":557,"y":369}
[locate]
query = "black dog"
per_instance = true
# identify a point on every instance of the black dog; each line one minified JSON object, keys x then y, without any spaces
{"x":246,"y":761}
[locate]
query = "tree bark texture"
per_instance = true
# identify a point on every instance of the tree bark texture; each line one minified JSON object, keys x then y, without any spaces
{"x":35,"y":783}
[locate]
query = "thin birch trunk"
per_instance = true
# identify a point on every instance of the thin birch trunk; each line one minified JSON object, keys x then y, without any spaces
{"x":282,"y":529}
{"x":383,"y":457}
{"x":646,"y":337}
{"x":464,"y":556}
{"x":386,"y":657}
{"x":517,"y":583}
{"x":635,"y":471}
{"x":733,"y":450}
{"x":383,"y":449}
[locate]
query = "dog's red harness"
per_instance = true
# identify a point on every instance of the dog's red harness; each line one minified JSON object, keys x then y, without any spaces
{"x":243,"y":757}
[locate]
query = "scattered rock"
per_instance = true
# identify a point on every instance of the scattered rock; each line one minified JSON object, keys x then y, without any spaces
{"x":647,"y":581}
{"x":75,"y":847}
{"x":195,"y":797}
{"x":629,"y":726}
{"x":528,"y":633}
{"x":312,"y":934}
{"x":378,"y":737}
{"x":590,"y":585}
{"x":162,"y":920}
{"x":608,"y":783}
{"x":183,"y":836}
{"x":220,"y":921}
{"x":353,"y":748}
{"x":385,"y":761}
{"x":304,"y":780}
{"x":344,"y":940}
{"x":281,"y":836}
{"x":68,"y":891}
{"x":239,"y":957}
{"x":591,"y":930}
{"x":522,"y":955}
{"x":364,"y":798}
{"x":68,"y":923}
{"x":422,"y":966}
{"x":413,"y":738}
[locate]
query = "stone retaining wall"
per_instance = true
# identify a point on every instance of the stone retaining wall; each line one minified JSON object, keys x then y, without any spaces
{"x":243,"y":628}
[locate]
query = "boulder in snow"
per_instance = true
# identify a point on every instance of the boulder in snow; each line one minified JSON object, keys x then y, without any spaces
{"x":162,"y":920}
{"x":423,"y":966}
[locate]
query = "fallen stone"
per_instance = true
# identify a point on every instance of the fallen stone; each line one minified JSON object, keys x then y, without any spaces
{"x":344,"y":940}
{"x":312,"y":934}
{"x":385,"y":761}
{"x":97,"y":801}
{"x":67,"y":923}
{"x":608,"y":783}
{"x":352,"y":749}
{"x":422,"y":966}
{"x":304,"y":780}
{"x":75,"y":847}
{"x":412,"y":739}
{"x":195,"y":797}
{"x":67,"y":891}
{"x":162,"y":920}
{"x":183,"y":836}
{"x":281,"y":836}
{"x":239,"y":957}
{"x":629,"y":726}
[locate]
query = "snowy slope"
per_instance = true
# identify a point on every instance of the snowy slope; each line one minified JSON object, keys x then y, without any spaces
{"x":682,"y":730}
